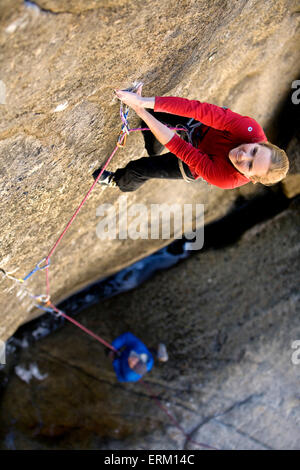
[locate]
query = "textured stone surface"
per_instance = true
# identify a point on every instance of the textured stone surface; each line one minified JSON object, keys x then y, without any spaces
{"x":229,"y":318}
{"x":60,"y":63}
{"x":291,"y":184}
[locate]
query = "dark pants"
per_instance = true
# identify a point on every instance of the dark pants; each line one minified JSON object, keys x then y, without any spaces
{"x":137,"y":172}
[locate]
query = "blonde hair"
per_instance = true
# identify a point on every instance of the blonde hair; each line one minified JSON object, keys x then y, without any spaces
{"x":278,"y":168}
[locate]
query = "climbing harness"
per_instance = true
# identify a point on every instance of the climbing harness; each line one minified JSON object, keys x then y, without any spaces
{"x":44,"y":302}
{"x":190,"y":127}
{"x":186,"y":132}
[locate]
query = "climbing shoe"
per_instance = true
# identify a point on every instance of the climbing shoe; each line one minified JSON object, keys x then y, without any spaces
{"x":106,"y":179}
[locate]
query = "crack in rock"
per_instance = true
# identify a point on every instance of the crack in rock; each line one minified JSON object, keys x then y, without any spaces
{"x":244,"y":434}
{"x":215,"y":416}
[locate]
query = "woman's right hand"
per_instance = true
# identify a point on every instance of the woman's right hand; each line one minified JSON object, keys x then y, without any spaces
{"x":134,"y":100}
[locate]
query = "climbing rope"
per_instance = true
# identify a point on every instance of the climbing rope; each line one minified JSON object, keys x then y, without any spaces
{"x":45,"y":303}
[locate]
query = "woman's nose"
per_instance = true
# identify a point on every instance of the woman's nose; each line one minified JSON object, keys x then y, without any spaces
{"x":244,"y":156}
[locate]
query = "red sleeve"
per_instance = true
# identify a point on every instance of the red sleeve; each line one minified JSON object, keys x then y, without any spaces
{"x":242,"y":127}
{"x":215,"y":173}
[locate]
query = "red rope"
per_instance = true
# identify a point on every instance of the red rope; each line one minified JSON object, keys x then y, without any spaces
{"x":75,"y":215}
{"x":89,"y":192}
{"x":79,"y":325}
{"x":83,"y":202}
{"x":89,"y":332}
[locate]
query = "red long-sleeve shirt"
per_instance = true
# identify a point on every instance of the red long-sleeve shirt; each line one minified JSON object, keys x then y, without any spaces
{"x":222,"y":131}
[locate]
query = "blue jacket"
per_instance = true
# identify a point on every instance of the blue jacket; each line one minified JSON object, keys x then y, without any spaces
{"x":120,"y":364}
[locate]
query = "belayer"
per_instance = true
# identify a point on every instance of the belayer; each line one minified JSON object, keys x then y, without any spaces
{"x":134,"y":359}
{"x":225,"y":149}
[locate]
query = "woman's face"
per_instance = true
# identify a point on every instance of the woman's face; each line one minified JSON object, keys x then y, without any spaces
{"x":251,"y":159}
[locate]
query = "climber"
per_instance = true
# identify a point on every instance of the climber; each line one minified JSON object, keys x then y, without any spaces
{"x":135,"y":359}
{"x":227,"y":150}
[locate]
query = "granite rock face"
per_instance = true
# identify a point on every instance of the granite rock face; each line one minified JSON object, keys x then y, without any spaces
{"x":60,"y":61}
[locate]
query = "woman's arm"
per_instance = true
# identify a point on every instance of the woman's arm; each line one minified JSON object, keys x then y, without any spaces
{"x":138,"y":104}
{"x":161,"y":132}
{"x":148,"y":102}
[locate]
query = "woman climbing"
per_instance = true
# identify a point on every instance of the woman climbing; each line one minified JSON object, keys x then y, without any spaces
{"x":226,"y":149}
